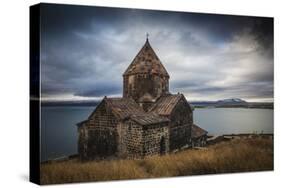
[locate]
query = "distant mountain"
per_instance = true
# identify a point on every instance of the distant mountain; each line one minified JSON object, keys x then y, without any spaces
{"x":224,"y":102}
{"x":199,"y":104}
{"x":233,"y":101}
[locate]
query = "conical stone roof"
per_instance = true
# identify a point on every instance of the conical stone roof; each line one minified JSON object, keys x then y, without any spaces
{"x":146,"y":62}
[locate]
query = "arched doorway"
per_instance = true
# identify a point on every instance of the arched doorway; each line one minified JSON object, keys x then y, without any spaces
{"x":162,"y":145}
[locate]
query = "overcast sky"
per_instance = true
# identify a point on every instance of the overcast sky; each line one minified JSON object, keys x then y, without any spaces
{"x":85,"y":51}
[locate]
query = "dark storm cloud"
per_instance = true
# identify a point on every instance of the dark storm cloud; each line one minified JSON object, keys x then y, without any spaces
{"x":100,"y":90}
{"x":85,"y":50}
{"x":263,"y":34}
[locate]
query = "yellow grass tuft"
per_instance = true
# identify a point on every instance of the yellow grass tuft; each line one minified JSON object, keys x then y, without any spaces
{"x":239,"y":155}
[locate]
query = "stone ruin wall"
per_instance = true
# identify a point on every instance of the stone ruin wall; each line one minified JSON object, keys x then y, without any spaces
{"x":199,"y":142}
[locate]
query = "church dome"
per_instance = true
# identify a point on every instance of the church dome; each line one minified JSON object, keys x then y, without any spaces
{"x":146,"y":62}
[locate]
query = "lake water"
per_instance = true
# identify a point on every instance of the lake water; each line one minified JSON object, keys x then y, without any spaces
{"x":59,"y":131}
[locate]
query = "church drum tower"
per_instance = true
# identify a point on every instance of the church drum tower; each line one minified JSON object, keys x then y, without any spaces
{"x":146,"y":79}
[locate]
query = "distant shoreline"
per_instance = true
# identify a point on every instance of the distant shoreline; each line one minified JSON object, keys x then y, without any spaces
{"x":207,"y":104}
{"x":195,"y":107}
{"x":271,"y":107}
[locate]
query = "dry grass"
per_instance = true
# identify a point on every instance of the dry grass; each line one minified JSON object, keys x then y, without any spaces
{"x":241,"y":155}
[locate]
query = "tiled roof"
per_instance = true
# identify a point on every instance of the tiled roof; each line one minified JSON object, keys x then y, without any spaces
{"x":146,"y":61}
{"x":149,"y":118}
{"x":126,"y":108}
{"x":197,"y":131}
{"x":123,"y":107}
{"x":165,"y":104}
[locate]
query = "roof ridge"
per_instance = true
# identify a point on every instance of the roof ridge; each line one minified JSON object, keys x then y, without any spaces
{"x":197,"y":131}
{"x":148,"y":118}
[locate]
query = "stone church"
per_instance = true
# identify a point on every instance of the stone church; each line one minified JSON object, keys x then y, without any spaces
{"x":147,"y":120}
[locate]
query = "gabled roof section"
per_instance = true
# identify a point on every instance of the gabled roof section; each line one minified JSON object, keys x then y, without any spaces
{"x":197,"y":131}
{"x":148,"y":119}
{"x":126,"y":108}
{"x":165,"y":104}
{"x":123,"y":107}
{"x":146,"y":61}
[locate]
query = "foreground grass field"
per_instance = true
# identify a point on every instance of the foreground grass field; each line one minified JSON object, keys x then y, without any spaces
{"x":238,"y":155}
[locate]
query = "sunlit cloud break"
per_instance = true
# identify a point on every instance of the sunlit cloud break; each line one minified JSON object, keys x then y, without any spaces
{"x":85,"y":51}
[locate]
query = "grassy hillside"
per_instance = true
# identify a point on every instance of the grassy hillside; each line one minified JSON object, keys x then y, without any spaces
{"x":239,"y":155}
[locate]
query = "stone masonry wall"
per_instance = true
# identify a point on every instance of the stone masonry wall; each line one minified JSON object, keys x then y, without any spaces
{"x":82,"y":141}
{"x":137,"y":141}
{"x":156,"y":139}
{"x":137,"y":85}
{"x":180,"y":126}
{"x":99,"y":137}
{"x":131,"y":140}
